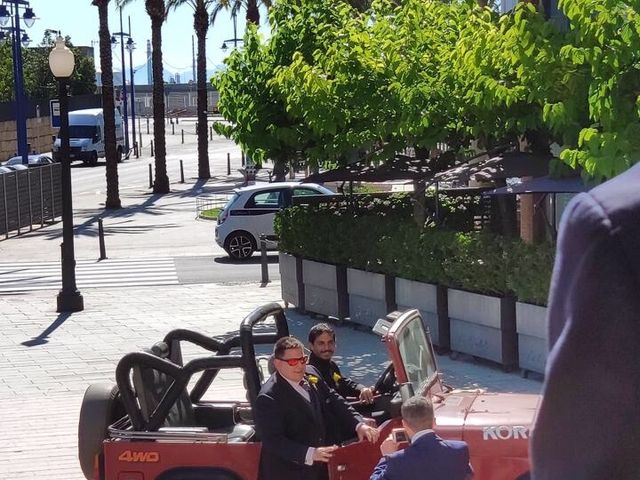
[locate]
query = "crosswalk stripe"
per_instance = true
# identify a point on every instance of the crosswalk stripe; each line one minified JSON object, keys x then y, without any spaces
{"x":20,"y":277}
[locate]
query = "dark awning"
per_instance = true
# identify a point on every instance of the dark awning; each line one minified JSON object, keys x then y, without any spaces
{"x":401,"y":167}
{"x":506,"y":165}
{"x":544,"y":185}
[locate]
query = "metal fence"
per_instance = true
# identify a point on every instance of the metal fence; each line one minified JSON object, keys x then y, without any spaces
{"x":29,"y":197}
{"x":210,"y":202}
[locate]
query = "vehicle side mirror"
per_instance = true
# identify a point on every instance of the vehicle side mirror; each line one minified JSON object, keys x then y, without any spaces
{"x":406,"y":391}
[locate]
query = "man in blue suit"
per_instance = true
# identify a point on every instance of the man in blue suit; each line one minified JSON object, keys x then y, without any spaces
{"x":428,"y":456}
{"x":588,"y":425}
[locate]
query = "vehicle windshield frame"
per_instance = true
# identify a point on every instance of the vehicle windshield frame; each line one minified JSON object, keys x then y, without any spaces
{"x":410,"y":326}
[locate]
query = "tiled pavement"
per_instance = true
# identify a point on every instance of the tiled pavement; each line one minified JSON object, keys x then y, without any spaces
{"x":47,"y":360}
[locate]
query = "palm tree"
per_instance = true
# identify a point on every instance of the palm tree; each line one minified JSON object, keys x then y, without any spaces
{"x":252,"y":7}
{"x":108,"y":106}
{"x":201,"y":21}
{"x":157,"y":11}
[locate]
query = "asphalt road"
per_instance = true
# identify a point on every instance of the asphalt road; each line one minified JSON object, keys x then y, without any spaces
{"x":224,"y":270}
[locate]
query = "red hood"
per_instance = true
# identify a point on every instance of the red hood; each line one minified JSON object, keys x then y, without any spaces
{"x":488,"y":422}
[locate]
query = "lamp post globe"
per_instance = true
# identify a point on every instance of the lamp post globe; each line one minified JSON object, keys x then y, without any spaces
{"x":61,"y":60}
{"x":62,"y":63}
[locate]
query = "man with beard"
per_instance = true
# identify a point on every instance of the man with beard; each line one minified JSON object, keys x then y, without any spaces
{"x":322,"y":343}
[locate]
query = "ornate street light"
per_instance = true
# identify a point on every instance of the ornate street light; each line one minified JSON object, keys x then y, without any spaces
{"x":10,"y":10}
{"x":62,"y":63}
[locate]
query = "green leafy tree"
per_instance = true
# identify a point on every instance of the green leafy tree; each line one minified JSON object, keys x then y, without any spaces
{"x":39,"y":82}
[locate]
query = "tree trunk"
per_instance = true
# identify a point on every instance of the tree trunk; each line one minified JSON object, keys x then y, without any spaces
{"x":201,"y":25}
{"x":253,"y":14}
{"x":280,"y":169}
{"x":108,"y":107}
{"x":419,"y":193}
{"x":156,"y":10}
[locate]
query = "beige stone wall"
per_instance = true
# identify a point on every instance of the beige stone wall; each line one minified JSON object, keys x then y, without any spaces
{"x":39,"y":134}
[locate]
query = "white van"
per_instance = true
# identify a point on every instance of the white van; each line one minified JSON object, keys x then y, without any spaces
{"x":86,"y":136}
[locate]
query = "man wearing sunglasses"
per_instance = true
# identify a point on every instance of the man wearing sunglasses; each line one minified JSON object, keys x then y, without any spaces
{"x":290,"y":415}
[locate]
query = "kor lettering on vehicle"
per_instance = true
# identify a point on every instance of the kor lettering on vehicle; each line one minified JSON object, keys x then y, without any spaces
{"x":139,"y":457}
{"x":505,"y":432}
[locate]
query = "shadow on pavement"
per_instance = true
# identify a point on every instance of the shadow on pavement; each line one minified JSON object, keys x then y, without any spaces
{"x":42,"y":338}
{"x":255,"y":260}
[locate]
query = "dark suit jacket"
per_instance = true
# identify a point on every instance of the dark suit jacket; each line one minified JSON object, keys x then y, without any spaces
{"x":288,"y":425}
{"x":333,"y":377}
{"x":430,"y":457}
{"x":588,"y":425}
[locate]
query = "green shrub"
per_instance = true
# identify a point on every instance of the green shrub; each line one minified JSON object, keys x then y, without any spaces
{"x":379,"y":235}
{"x":530,"y":271}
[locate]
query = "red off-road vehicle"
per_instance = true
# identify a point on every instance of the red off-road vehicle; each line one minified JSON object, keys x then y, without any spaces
{"x":155,"y":425}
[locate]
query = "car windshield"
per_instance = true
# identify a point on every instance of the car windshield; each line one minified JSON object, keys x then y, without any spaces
{"x":14,"y":161}
{"x":82,"y":131}
{"x":416,"y":354}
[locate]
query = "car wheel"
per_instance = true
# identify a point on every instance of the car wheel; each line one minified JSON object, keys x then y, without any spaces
{"x":119,"y":155}
{"x":101,"y":406}
{"x":240,"y":245}
{"x":93,"y":161}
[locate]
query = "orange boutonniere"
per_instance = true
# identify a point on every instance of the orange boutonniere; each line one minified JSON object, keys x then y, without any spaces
{"x":312,"y":379}
{"x":336,"y":377}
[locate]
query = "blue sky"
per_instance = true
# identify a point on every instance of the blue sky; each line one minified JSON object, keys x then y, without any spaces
{"x":79,"y":20}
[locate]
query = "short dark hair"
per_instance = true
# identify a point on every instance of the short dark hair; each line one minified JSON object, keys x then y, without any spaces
{"x":318,"y":330}
{"x":418,"y":413}
{"x":286,"y":343}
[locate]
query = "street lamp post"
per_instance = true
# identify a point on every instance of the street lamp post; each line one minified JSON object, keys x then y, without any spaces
{"x":19,"y":38}
{"x":235,"y":39}
{"x":131,"y":46}
{"x":61,"y":63}
{"x":114,"y":42}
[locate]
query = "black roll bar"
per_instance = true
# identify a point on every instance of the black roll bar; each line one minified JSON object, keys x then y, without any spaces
{"x":247,"y":342}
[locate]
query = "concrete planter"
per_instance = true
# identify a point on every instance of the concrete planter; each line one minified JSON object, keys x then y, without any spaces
{"x":369,"y":298}
{"x":484,"y":326}
{"x":291,"y":279}
{"x":431,"y":301}
{"x":531,"y":324}
{"x":324,"y":289}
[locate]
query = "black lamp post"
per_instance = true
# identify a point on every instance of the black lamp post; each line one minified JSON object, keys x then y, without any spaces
{"x":10,"y":28}
{"x":61,"y":63}
{"x":235,"y":39}
{"x":125,"y":114}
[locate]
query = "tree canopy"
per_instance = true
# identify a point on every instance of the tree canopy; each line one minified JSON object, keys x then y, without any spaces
{"x":334,"y":83}
{"x":38,"y":79}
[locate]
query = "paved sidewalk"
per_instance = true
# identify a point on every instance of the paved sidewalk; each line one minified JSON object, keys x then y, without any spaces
{"x":47,"y":360}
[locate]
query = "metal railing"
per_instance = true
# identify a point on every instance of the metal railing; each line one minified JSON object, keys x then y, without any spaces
{"x":209,"y":202}
{"x":29,"y":197}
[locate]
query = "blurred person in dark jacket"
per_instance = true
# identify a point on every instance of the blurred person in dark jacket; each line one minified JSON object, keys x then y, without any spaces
{"x":588,"y":424}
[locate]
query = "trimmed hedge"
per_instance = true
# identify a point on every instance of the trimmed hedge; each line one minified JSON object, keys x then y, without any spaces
{"x":380,"y":236}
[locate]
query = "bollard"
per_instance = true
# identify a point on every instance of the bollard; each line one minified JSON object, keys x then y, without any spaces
{"x":61,"y":250}
{"x":150,"y":177}
{"x":147,"y":125}
{"x":263,"y":259}
{"x":195,"y":131}
{"x":211,"y":133}
{"x":140,"y":143}
{"x":183,"y":136}
{"x":242,"y":158}
{"x":135,"y":150}
{"x":152,"y":148}
{"x":181,"y":172}
{"x":177,"y":122}
{"x":173,"y":129}
{"x":103,"y":250}
{"x":228,"y":163}
{"x":171,"y":120}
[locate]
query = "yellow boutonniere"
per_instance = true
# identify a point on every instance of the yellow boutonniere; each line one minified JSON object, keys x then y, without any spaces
{"x":312,"y":379}
{"x":336,"y":377}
